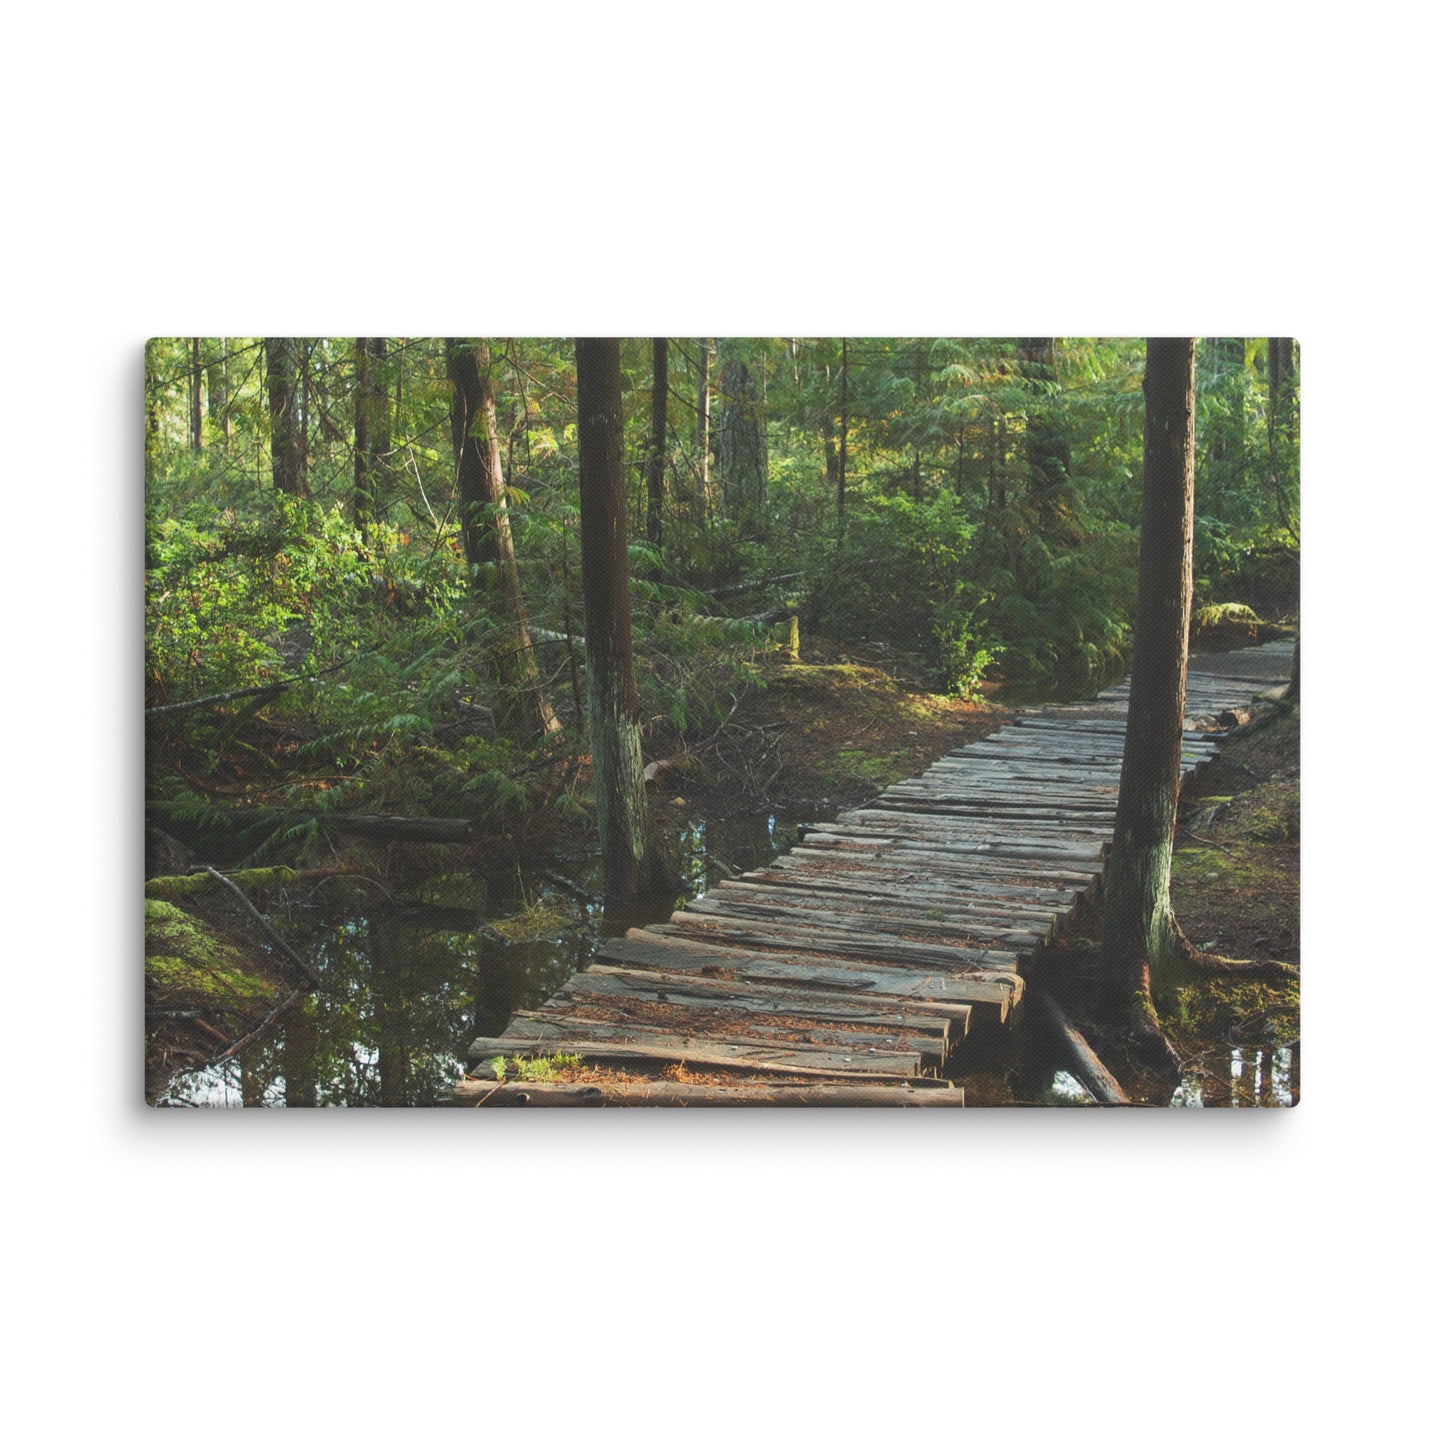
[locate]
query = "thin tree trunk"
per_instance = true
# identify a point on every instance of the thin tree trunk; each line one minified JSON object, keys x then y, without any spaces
{"x":153,"y":410}
{"x":218,"y":395}
{"x":1282,"y":424}
{"x":288,"y":456}
{"x":632,"y":861}
{"x":657,"y":453}
{"x":523,"y":708}
{"x":1141,"y":938}
{"x":197,"y":375}
{"x":372,"y":433}
{"x":742,"y":439}
{"x":704,"y":415}
{"x":843,"y":437}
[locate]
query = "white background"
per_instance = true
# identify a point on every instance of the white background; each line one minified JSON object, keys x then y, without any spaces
{"x":664,"y":170}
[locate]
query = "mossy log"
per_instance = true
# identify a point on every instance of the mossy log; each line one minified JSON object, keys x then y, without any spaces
{"x":187,"y":885}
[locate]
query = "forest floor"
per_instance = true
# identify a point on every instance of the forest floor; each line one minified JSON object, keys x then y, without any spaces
{"x":824,"y":735}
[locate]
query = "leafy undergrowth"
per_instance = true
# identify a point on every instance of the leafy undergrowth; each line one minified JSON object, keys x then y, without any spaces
{"x":824,"y":734}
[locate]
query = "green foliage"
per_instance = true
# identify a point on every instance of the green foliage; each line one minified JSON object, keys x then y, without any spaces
{"x":533,"y":1071}
{"x":947,"y":547}
{"x":899,"y":572}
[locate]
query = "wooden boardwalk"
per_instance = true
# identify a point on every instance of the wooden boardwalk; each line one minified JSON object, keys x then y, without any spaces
{"x":853,"y":968}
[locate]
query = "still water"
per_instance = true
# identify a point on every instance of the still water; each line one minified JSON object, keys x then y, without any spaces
{"x":405,"y":990}
{"x":1232,"y":1078}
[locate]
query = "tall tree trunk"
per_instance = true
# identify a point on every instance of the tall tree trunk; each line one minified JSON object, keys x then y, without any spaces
{"x":843,"y":437}
{"x":153,"y":409}
{"x":522,"y":706}
{"x":704,"y":416}
{"x":1142,"y":941}
{"x":1046,"y":444}
{"x":1283,"y":422}
{"x":632,"y":861}
{"x":197,"y":376}
{"x":657,"y":452}
{"x":218,"y":394}
{"x":298,"y":1055}
{"x":372,"y":432}
{"x":742,"y":439}
{"x":389,"y":995}
{"x":830,"y":450}
{"x":288,"y":444}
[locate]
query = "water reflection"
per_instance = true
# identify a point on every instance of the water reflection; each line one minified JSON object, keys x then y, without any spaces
{"x":406,"y":989}
{"x":1066,"y":1089}
{"x":1244,"y":1078}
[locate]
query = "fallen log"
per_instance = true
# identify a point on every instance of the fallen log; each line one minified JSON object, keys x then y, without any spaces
{"x":1084,"y":1063}
{"x":384,"y":827}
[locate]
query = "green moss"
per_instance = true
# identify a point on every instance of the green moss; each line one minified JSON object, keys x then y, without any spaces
{"x":186,"y":956}
{"x":204,"y":984}
{"x":186,"y":885}
{"x":538,"y":920}
{"x":1214,"y":1008}
{"x":1214,"y":866}
{"x":1275,"y":816}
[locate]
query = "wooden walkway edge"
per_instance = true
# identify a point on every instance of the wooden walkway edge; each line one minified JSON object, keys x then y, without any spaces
{"x":851,"y":970}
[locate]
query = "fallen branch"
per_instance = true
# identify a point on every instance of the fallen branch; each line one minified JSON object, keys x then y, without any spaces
{"x":302,"y":966}
{"x":261,"y":690}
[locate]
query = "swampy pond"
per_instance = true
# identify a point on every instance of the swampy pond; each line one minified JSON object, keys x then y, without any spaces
{"x":404,"y":991}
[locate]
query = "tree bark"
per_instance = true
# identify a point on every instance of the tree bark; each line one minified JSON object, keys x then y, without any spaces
{"x":704,"y":416}
{"x":632,"y":860}
{"x":218,"y":395}
{"x":153,"y":408}
{"x":523,"y":708}
{"x":1046,"y":445}
{"x":1283,"y":422}
{"x":1142,"y":942}
{"x":657,"y":452}
{"x":288,"y":449}
{"x":372,"y":432}
{"x":197,"y":378}
{"x":742,"y":440}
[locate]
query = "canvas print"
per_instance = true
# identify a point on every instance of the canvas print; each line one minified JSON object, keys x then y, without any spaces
{"x":722,"y":722}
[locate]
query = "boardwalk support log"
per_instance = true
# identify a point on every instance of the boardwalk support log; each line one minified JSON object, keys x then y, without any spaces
{"x":1084,"y":1063}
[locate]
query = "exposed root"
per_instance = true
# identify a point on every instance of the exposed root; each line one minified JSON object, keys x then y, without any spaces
{"x":1149,"y":1039}
{"x":1212,"y":964}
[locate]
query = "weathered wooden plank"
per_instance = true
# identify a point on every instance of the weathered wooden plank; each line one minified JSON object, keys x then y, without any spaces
{"x":895,"y":952}
{"x":609,"y":980}
{"x":484,"y":1092}
{"x":860,"y":889}
{"x":959,"y":884}
{"x":661,"y":1048}
{"x":954,"y":932}
{"x":861,"y":843}
{"x":688,"y":1022}
{"x":990,"y":984}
